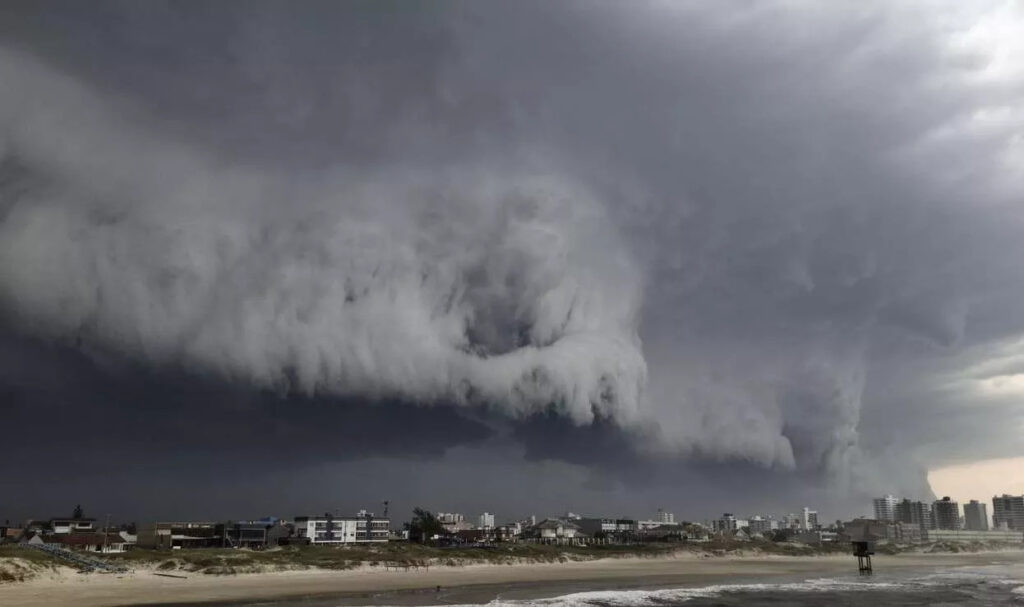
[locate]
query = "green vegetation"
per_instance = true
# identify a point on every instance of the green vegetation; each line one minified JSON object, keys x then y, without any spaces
{"x":412,"y":555}
{"x":423,"y":526}
{"x":18,"y":564}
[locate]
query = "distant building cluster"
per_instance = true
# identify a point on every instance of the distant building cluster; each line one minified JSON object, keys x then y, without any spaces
{"x":942,"y":519}
{"x":897,"y":520}
{"x":81,"y":533}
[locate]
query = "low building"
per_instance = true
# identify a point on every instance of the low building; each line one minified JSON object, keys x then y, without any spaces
{"x":869,"y":530}
{"x":72,"y":525}
{"x":910,"y":533}
{"x":107,"y":543}
{"x":643,"y":526}
{"x":816,"y":537}
{"x":762,"y":525}
{"x":244,"y":534}
{"x":453,"y":522}
{"x":473,"y":536}
{"x":963,"y":535}
{"x":179,"y":534}
{"x":554,"y":531}
{"x":334,"y":530}
{"x":596,"y":527}
{"x":130,"y":539}
{"x":10,"y":533}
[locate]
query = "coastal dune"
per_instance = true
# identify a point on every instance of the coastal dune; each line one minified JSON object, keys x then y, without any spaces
{"x":461,"y":584}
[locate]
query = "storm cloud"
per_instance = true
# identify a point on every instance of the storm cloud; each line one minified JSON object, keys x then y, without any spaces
{"x":770,"y":245}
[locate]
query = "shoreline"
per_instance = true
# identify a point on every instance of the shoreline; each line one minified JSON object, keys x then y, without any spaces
{"x":475,"y":583}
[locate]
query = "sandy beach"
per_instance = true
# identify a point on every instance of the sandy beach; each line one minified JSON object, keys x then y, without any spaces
{"x":471,"y":583}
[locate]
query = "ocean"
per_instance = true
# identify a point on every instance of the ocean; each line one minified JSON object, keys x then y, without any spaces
{"x":992,"y":584}
{"x":996,"y":585}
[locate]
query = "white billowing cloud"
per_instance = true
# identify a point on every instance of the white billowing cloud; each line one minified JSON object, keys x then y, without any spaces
{"x":475,"y":287}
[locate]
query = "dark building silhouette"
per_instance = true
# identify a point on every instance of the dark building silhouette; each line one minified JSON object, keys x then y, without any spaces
{"x":915,"y":513}
{"x":976,"y":516}
{"x":946,"y":514}
{"x":1008,"y":510}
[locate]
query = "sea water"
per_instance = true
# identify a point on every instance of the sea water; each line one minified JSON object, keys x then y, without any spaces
{"x":988,"y":585}
{"x":991,"y":584}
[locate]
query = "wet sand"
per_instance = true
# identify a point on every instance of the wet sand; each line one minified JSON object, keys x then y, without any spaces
{"x":469,"y":584}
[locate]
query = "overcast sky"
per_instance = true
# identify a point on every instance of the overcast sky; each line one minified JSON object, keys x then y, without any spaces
{"x":608,"y":257}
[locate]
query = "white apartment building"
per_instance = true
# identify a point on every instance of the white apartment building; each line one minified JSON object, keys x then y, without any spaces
{"x":885,"y":508}
{"x":809,"y":519}
{"x":453,"y":522}
{"x":341,"y":530}
{"x":763,"y":524}
{"x":486,"y":521}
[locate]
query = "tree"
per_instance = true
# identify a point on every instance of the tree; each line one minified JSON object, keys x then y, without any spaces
{"x":423,"y":526}
{"x":79,"y":513}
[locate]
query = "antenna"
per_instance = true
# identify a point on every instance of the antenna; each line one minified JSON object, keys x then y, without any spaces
{"x":386,"y":503}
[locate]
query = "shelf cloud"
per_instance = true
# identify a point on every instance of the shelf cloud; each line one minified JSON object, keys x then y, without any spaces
{"x":778,"y":242}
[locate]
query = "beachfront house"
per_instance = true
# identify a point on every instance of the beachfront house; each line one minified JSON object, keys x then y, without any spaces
{"x":554,"y":531}
{"x":107,"y":543}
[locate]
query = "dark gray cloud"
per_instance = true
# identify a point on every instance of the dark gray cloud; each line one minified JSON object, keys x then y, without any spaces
{"x":640,"y":248}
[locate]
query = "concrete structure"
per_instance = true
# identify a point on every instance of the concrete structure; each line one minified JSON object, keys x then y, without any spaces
{"x":72,"y":525}
{"x":453,"y":522}
{"x":666,"y":518}
{"x":651,"y":524}
{"x":915,"y":513}
{"x":333,"y":530}
{"x":179,"y":534}
{"x":945,"y":535}
{"x":93,"y":542}
{"x":869,"y":530}
{"x":263,"y":533}
{"x":763,"y":525}
{"x":910,"y":533}
{"x":1008,"y":512}
{"x":946,"y":514}
{"x":816,"y":537}
{"x":597,"y":526}
{"x":809,"y":519}
{"x":727,"y":523}
{"x":486,"y":521}
{"x":885,"y":508}
{"x":976,"y":516}
{"x":554,"y":531}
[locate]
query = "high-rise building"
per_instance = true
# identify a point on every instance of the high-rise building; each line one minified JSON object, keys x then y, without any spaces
{"x":885,"y":507}
{"x":946,"y":514}
{"x":809,"y":520}
{"x":486,"y":521}
{"x":976,"y":516}
{"x":666,"y":518}
{"x":1008,"y":511}
{"x":915,"y":513}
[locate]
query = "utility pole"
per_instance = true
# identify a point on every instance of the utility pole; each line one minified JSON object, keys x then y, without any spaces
{"x":105,"y":527}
